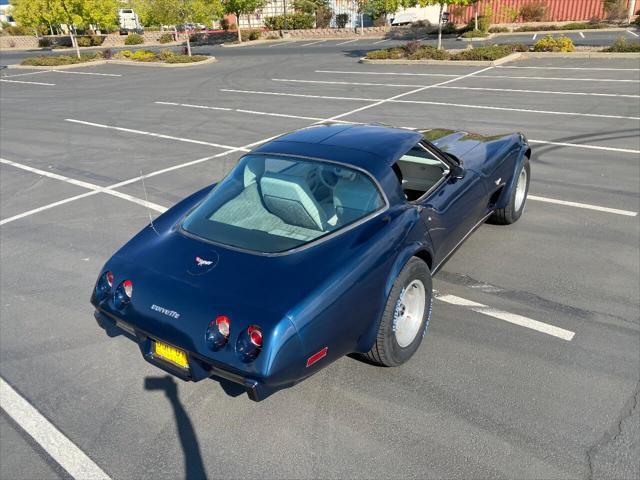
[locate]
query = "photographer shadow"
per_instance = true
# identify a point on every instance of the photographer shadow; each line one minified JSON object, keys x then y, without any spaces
{"x":194,"y":467}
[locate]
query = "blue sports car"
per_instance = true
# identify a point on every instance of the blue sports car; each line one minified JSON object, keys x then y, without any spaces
{"x":317,"y":244}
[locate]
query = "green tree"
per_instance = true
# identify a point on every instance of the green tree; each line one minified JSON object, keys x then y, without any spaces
{"x":442,"y":4}
{"x":242,"y":7}
{"x":98,"y":13}
{"x":34,"y":13}
{"x":321,"y":9}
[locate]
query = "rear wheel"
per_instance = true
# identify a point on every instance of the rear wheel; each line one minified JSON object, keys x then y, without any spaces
{"x":405,"y":317}
{"x":513,"y":211}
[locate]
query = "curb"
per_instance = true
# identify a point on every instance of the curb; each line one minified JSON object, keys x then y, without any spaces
{"x":544,"y":32}
{"x":250,"y":43}
{"x":468,"y":63}
{"x":115,"y":62}
{"x":580,"y":55}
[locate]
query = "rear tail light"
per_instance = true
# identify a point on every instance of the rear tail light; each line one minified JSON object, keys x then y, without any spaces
{"x":255,"y":335}
{"x":104,"y":285}
{"x":123,"y":294}
{"x":249,"y":343}
{"x":127,"y":285}
{"x":224,"y":325}
{"x":218,"y":332}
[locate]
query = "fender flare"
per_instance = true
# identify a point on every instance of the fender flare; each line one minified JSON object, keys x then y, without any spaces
{"x":422,"y":250}
{"x":523,"y":155}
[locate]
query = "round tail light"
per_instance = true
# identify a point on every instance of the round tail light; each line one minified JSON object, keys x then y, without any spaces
{"x":224,"y":325}
{"x":127,"y":286}
{"x":104,"y":285}
{"x":255,"y":335}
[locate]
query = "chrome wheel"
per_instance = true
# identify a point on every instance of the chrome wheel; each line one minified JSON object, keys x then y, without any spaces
{"x":409,"y":313}
{"x":521,"y":190}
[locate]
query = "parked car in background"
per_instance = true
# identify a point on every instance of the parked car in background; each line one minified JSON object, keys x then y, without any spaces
{"x":129,"y":22}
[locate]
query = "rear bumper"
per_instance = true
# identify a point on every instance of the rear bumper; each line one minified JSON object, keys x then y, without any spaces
{"x":199,"y":367}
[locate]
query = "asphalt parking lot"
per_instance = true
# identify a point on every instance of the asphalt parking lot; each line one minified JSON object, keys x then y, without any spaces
{"x":487,"y":395}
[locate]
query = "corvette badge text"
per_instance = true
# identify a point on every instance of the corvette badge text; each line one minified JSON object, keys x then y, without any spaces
{"x":164,"y":311}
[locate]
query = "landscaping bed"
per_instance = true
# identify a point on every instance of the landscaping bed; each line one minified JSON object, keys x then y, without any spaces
{"x":140,"y":56}
{"x":416,"y":51}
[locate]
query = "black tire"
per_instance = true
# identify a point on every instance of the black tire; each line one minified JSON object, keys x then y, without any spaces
{"x":510,"y":214}
{"x":386,"y":351}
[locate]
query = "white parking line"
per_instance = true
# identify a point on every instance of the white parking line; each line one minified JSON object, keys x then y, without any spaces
{"x":62,"y":450}
{"x":150,"y":134}
{"x":583,"y":205}
{"x":239,"y":110}
{"x":28,"y":83}
{"x":349,"y":72}
{"x":568,"y":68}
{"x":82,"y":184}
{"x":381,"y":41}
{"x":581,"y":34}
{"x":204,"y":107}
{"x":395,"y":99}
{"x":349,"y":41}
{"x":414,"y":74}
{"x":280,"y":43}
{"x":508,"y":317}
{"x":589,"y":147}
{"x":111,"y":188}
{"x":633,"y":33}
{"x":534,"y":36}
{"x":87,"y":73}
{"x":24,"y":74}
{"x":370,"y":84}
{"x":302,"y":95}
{"x":313,"y":43}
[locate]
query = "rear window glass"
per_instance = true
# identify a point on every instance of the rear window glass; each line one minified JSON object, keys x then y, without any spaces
{"x":273,"y":204}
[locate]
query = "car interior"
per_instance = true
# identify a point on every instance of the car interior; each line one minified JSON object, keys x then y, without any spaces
{"x":419,"y":171}
{"x":298,"y":199}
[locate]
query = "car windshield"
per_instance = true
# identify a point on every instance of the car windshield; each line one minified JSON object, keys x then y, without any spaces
{"x":272,"y":204}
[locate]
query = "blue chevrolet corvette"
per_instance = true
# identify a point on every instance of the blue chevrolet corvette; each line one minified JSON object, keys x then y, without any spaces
{"x":320,"y":243}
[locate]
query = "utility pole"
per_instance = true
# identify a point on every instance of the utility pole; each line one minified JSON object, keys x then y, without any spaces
{"x":286,"y":25}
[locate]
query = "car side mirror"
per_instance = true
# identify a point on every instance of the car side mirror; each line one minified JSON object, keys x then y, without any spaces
{"x":458,"y":172}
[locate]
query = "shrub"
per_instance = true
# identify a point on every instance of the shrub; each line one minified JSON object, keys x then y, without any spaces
{"x":510,"y":14}
{"x":474,"y":34}
{"x":342,"y":19}
{"x":249,"y":35}
{"x":134,"y":39}
{"x":550,"y":44}
{"x":83,"y":41}
{"x":483,"y":24}
{"x":144,"y":56}
{"x":224,"y":24}
{"x":412,"y":47}
{"x":533,"y":12}
{"x":493,"y":52}
{"x":96,"y":40}
{"x":57,"y":60}
{"x":185,"y":58}
{"x":616,"y":10}
{"x":323,"y":17}
{"x":387,"y":53}
{"x":449,"y":28}
{"x":499,"y":30}
{"x":126,"y":53}
{"x":44,"y":42}
{"x":637,"y":21}
{"x":622,"y":45}
{"x":16,"y":30}
{"x":295,"y":21}
{"x":107,"y":54}
{"x":166,"y":38}
{"x":429,"y":53}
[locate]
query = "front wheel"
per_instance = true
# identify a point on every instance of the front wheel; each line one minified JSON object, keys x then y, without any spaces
{"x":405,"y":317}
{"x":513,"y":211}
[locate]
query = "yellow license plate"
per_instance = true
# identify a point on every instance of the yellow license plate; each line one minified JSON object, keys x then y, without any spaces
{"x":170,"y":354}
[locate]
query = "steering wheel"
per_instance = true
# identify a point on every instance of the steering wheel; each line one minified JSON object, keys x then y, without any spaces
{"x":328,"y":178}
